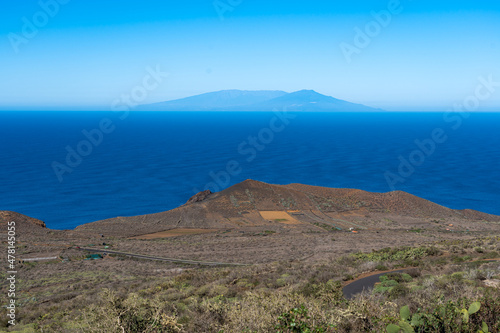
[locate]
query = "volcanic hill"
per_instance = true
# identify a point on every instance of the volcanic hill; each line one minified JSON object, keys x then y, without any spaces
{"x":302,"y":208}
{"x":264,"y":100}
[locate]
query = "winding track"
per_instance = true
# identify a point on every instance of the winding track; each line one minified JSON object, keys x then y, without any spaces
{"x":179,"y":261}
{"x":367,"y":283}
{"x":355,"y":287}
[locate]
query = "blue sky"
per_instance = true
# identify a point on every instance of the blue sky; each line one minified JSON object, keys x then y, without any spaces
{"x":91,"y":52}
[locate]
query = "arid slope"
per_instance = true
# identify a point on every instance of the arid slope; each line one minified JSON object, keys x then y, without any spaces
{"x":250,"y":203}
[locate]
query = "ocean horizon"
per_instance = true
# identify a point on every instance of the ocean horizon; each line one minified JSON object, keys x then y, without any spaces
{"x":71,"y":168}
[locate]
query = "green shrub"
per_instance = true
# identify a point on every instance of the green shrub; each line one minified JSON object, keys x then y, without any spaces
{"x":395,"y":254}
{"x":297,"y":320}
{"x":490,"y":255}
{"x":479,"y":249}
{"x":448,"y":317}
{"x":390,"y":283}
{"x":398,"y":291}
{"x":399,"y":277}
{"x":348,"y":277}
{"x":457,"y":276}
{"x":406,"y":277}
{"x":381,"y":267}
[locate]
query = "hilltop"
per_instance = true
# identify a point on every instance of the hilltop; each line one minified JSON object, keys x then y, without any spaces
{"x":254,"y":204}
{"x":265,"y":100}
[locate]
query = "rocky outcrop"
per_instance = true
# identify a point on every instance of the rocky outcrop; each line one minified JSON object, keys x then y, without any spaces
{"x":199,"y":197}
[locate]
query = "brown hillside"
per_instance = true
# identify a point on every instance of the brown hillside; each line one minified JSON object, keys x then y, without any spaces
{"x":22,"y":221}
{"x":293,"y":207}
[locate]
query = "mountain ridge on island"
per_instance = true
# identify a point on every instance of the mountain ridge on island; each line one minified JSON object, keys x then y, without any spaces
{"x":259,"y":100}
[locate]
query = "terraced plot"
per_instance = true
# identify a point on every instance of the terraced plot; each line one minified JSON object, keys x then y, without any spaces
{"x":279,"y":216}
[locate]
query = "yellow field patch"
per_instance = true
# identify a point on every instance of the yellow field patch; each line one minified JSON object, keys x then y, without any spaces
{"x":174,"y":233}
{"x":278,"y":216}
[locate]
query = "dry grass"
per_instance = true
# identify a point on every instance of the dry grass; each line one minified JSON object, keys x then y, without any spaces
{"x":279,"y":216}
{"x":139,"y":296}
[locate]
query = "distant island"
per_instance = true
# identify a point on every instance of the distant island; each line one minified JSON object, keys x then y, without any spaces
{"x":262,"y":100}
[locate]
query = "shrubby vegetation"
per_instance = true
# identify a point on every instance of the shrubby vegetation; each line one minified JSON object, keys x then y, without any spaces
{"x":444,"y":292}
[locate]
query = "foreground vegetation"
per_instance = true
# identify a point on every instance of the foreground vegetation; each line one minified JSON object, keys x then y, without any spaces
{"x":445,"y":291}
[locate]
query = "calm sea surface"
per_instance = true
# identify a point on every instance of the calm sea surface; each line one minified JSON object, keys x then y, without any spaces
{"x":70,"y":168}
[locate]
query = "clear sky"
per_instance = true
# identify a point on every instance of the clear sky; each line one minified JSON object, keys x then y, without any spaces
{"x":83,"y":54}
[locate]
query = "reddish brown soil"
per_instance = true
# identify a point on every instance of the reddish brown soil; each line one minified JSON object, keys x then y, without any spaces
{"x":240,"y":206}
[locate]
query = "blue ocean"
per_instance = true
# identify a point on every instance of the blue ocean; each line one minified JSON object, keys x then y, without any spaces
{"x":70,"y":168}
